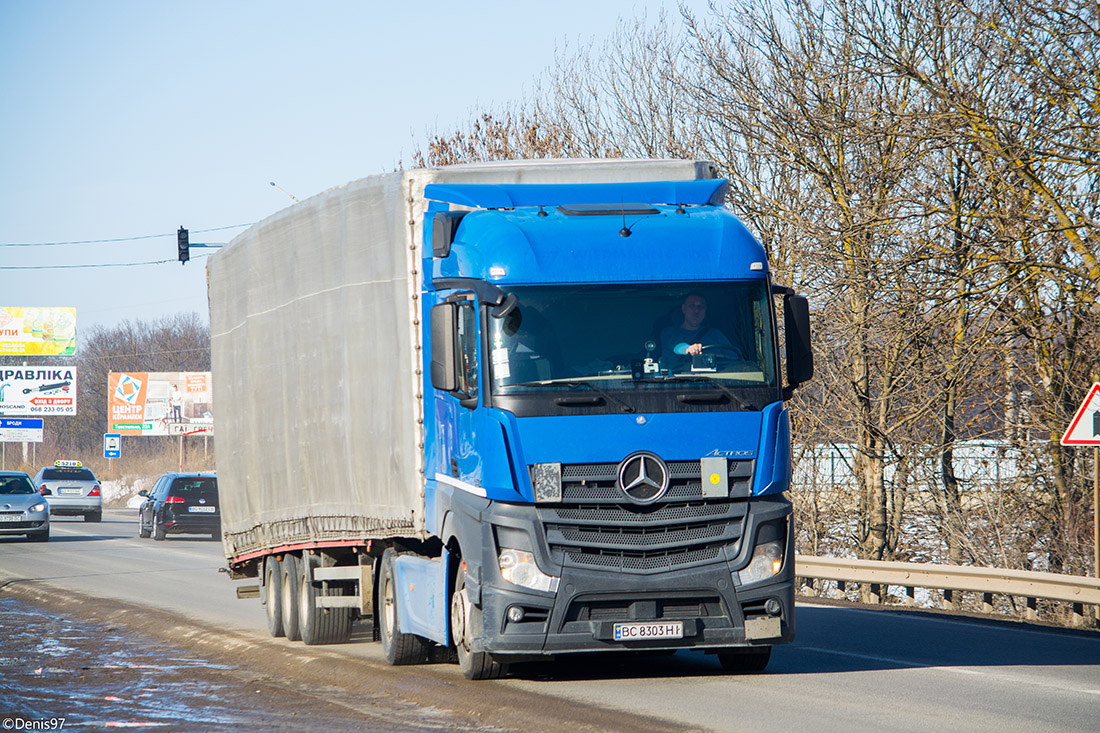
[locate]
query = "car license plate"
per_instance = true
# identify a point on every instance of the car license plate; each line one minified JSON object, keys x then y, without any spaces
{"x":651,"y":630}
{"x":69,"y":492}
{"x":10,"y":517}
{"x":203,"y":509}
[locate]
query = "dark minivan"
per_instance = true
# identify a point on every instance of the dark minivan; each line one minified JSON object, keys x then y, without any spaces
{"x":181,"y":503}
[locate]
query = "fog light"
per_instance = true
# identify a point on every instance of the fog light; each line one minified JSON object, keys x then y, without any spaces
{"x":515,"y":614}
{"x":766,"y":562}
{"x":518,"y":567}
{"x":773,"y":607}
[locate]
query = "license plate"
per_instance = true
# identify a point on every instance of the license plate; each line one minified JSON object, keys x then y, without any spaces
{"x":203,"y":509}
{"x":69,"y":492}
{"x":651,"y":630}
{"x":10,"y":517}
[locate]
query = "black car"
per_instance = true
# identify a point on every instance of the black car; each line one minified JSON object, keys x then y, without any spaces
{"x":181,"y":503}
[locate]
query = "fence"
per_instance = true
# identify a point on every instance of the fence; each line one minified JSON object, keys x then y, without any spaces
{"x":951,"y":579}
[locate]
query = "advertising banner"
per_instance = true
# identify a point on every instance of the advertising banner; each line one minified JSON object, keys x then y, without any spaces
{"x":37,"y":390}
{"x":159,"y":403}
{"x":37,"y":331}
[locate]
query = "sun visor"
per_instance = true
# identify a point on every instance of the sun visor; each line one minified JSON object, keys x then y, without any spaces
{"x":508,"y":196}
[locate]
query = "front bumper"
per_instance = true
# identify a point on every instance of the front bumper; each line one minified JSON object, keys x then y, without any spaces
{"x":581,"y":617}
{"x":707,"y":597}
{"x":26,"y":522}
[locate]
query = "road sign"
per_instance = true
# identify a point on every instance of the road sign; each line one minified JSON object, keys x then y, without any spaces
{"x":20,"y":430}
{"x":112,"y":445}
{"x":1085,"y":427}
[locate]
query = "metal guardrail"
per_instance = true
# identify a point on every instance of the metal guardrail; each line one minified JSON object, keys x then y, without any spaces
{"x":1076,"y":590}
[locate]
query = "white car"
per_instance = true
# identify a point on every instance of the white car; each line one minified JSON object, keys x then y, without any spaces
{"x":71,"y":489}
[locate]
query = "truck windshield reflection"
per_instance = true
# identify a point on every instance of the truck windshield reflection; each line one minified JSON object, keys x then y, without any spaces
{"x":613,"y":337}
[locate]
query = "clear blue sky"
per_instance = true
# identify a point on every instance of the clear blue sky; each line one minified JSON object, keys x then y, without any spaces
{"x":128,"y":119}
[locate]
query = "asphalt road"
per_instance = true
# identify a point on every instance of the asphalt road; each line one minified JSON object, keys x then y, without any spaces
{"x":849,"y":669}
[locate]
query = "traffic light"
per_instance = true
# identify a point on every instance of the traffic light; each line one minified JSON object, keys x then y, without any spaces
{"x":183,"y":244}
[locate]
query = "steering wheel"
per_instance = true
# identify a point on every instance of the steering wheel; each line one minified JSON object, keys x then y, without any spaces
{"x":733,"y":353}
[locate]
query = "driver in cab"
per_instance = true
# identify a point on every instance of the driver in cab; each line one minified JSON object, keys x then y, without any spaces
{"x":689,"y":338}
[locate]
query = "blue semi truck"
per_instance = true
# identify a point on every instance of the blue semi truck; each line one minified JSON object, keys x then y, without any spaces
{"x":502,"y":412}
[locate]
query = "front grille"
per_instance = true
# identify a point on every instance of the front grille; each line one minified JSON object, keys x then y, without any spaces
{"x":596,"y":526}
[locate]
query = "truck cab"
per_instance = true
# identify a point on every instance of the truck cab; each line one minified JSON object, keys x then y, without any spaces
{"x":606,"y":443}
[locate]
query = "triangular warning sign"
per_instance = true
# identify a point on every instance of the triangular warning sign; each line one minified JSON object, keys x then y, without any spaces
{"x":1085,"y":427}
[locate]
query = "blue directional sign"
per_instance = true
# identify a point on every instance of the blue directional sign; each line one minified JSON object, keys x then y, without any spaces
{"x":112,"y":445}
{"x":20,"y":430}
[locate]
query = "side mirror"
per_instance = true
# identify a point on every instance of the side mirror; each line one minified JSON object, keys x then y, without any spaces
{"x":45,"y":492}
{"x":444,"y":366}
{"x":800,"y":355}
{"x":144,"y":492}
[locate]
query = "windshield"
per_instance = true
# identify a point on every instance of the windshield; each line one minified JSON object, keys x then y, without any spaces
{"x":16,"y":485}
{"x":622,"y":343}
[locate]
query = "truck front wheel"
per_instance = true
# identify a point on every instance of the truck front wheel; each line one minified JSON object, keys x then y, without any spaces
{"x":465,"y":625}
{"x":398,"y":647}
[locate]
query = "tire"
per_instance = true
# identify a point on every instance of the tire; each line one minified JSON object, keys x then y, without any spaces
{"x":397,"y":646}
{"x":143,"y":533}
{"x":288,"y":582}
{"x":273,"y":596}
{"x":318,"y":625}
{"x":747,"y":659}
{"x":43,"y":536}
{"x":94,"y":516}
{"x":159,"y":532}
{"x":466,"y":625}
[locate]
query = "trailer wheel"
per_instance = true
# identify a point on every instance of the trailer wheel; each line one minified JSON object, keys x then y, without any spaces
{"x":289,"y":582}
{"x":273,"y":596}
{"x":318,"y":625}
{"x":398,"y":647}
{"x":748,"y":659}
{"x":465,"y":626}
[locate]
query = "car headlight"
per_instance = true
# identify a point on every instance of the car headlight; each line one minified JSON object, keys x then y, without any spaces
{"x":518,"y":567}
{"x":766,"y":562}
{"x":40,"y":507}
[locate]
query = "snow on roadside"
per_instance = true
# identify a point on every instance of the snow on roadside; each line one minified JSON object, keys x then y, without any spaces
{"x":124,"y":492}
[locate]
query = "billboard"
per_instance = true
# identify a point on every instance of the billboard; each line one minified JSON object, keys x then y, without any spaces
{"x":37,"y":390}
{"x":159,"y":403}
{"x":37,"y":331}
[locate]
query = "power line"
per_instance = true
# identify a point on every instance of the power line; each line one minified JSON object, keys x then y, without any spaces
{"x":101,"y":264}
{"x":120,"y":239}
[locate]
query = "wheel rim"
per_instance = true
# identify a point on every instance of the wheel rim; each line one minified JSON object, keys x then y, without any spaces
{"x":271,"y":597}
{"x":288,"y":599}
{"x":459,"y":619}
{"x":303,"y":596}
{"x":389,"y":608}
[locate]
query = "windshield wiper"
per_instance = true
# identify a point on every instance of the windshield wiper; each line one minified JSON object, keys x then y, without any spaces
{"x":708,"y":380}
{"x":580,"y":383}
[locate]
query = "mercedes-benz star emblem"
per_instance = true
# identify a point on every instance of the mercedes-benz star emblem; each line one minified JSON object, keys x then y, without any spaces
{"x":643,"y":477}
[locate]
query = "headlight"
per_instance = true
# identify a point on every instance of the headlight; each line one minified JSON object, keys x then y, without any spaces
{"x":767,"y":561}
{"x":518,"y":567}
{"x":41,"y":507}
